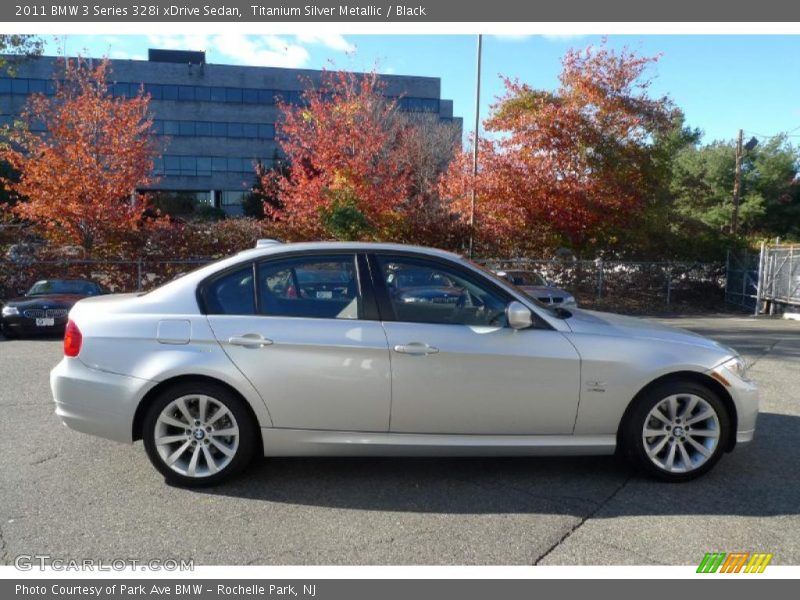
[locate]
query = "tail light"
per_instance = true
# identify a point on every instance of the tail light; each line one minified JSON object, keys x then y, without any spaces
{"x":72,"y":339}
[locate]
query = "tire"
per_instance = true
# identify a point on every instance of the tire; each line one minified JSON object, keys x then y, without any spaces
{"x":194,"y":455}
{"x":673,"y":413}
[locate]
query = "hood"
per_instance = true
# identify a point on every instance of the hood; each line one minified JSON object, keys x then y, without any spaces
{"x":543,"y":290}
{"x":52,"y":300}
{"x":601,"y":323}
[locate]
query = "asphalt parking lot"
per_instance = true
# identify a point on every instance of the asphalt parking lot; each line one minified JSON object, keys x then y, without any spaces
{"x":73,"y":496}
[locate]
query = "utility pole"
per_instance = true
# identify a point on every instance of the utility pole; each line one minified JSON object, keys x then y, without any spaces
{"x":475,"y":148}
{"x":737,"y":184}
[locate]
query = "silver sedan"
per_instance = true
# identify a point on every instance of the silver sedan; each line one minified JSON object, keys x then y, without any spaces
{"x":381,"y":349}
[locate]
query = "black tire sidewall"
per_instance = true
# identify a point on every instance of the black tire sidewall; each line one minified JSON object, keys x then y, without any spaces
{"x":248,"y":436}
{"x":632,"y":431}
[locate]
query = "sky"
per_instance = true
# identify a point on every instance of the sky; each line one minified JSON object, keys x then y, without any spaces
{"x":721,"y":82}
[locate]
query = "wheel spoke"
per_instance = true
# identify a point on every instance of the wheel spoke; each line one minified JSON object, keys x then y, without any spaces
{"x":222,"y":448}
{"x":164,"y":418}
{"x":672,"y":407}
{"x":212,"y":465}
{"x":177,"y":454}
{"x":671,"y":456}
{"x":687,"y":412}
{"x":685,"y":458}
{"x":712,"y":433}
{"x":699,"y":447}
{"x":181,"y":404}
{"x":224,"y":432}
{"x":703,"y":416}
{"x":221,"y":412}
{"x":192,"y":470}
{"x":655,"y":432}
{"x":661,"y":416}
{"x":202,"y":405}
{"x":170,"y":439}
{"x":658,"y":447}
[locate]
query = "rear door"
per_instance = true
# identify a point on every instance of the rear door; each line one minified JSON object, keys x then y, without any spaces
{"x":304,"y":332}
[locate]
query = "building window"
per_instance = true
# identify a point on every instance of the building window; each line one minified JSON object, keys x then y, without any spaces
{"x":232,"y":197}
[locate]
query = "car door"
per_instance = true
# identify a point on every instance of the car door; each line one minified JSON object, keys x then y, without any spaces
{"x":456,"y":366}
{"x":304,"y":333}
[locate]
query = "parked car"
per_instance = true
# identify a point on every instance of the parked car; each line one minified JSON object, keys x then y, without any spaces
{"x":538,"y":287}
{"x":44,"y":307}
{"x":235,"y":360}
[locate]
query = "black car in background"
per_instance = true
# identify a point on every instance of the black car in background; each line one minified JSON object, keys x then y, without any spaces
{"x":43,"y":309}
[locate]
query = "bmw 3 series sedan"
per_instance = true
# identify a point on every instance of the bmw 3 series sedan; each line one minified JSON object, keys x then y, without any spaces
{"x":379,"y":349}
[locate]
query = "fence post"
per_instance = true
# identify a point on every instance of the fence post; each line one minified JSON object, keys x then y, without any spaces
{"x":761,"y":279}
{"x":668,"y":273}
{"x":139,"y":274}
{"x":599,"y":264}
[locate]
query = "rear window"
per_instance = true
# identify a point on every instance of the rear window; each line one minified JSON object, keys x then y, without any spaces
{"x":232,"y":294}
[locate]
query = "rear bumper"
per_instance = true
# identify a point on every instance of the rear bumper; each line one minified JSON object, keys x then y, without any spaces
{"x":96,"y":402}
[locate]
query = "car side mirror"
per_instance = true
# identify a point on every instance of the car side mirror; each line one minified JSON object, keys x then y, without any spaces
{"x":518,"y":315}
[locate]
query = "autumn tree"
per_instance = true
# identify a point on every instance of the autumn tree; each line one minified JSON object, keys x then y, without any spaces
{"x":80,"y":175}
{"x":360,"y":169}
{"x":570,"y":166}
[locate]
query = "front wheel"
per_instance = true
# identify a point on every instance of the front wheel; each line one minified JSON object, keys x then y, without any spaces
{"x":677,"y":431}
{"x":199,"y":434}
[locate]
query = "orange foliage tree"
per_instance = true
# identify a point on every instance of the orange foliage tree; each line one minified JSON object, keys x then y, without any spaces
{"x":360,"y":169}
{"x":81,"y":154}
{"x":565,"y":167}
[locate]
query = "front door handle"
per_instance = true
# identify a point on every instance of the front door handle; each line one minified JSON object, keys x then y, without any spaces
{"x":416,"y":349}
{"x":249,"y":340}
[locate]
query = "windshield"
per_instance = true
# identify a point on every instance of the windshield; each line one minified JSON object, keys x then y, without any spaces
{"x":63,"y":286}
{"x":557,"y":312}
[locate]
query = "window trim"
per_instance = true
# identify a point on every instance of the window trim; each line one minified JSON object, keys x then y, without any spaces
{"x":363,"y":280}
{"x":384,"y":301}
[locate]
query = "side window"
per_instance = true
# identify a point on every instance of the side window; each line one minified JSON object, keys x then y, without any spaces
{"x":310,"y":287}
{"x":232,"y":294}
{"x":423,"y":291}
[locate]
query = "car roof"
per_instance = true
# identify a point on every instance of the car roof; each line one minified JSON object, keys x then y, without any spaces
{"x":278,"y":248}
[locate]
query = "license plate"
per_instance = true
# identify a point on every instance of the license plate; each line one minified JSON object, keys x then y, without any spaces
{"x":45,"y":322}
{"x":324,"y":295}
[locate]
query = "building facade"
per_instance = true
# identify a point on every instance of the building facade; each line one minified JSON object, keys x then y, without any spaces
{"x":215,"y":122}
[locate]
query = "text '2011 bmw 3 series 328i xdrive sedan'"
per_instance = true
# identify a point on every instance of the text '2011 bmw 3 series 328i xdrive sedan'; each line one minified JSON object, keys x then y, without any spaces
{"x":382,"y":349}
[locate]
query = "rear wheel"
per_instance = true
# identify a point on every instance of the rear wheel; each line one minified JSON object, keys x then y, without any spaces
{"x":677,"y":431}
{"x":199,"y":434}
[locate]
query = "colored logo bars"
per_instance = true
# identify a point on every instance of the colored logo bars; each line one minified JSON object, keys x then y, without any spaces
{"x":734,"y":562}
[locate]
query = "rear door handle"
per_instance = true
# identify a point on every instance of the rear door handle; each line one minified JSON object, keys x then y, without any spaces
{"x":249,"y":340}
{"x":415,"y":348}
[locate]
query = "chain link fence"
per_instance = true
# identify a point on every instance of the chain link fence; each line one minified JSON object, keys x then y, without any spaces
{"x":632,"y":287}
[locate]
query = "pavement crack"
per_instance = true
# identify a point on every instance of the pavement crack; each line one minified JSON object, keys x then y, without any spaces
{"x":763,"y":353}
{"x":44,"y":459}
{"x":580,"y":523}
{"x":4,"y":557}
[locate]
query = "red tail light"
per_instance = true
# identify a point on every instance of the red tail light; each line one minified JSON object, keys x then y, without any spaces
{"x":72,"y":339}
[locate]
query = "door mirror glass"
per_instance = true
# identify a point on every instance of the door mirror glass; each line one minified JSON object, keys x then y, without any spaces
{"x":519,"y":316}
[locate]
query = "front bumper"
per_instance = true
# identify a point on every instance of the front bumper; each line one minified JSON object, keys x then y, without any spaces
{"x":96,"y":402}
{"x":746,"y":399}
{"x":21,"y":325}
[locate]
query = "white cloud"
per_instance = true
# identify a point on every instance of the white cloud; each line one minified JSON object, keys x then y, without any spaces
{"x":563,"y":37}
{"x":256,"y":50}
{"x":333,"y":41}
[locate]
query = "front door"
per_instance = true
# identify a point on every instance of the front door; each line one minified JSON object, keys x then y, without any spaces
{"x":457,"y":368}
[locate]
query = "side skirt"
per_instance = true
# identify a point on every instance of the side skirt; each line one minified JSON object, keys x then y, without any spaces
{"x":309,"y":442}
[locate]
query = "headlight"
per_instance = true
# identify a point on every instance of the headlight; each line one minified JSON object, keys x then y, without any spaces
{"x":737,"y":366}
{"x":569,"y":301}
{"x":10,"y":311}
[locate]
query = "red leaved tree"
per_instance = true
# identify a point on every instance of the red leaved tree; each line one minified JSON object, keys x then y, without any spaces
{"x":348,"y":178}
{"x":566,"y":167}
{"x":80,"y":155}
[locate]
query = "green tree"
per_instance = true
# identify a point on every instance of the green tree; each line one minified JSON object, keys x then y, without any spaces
{"x":17,"y":48}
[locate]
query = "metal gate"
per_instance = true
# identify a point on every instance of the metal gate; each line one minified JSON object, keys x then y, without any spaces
{"x":779,"y":277}
{"x":741,"y":282}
